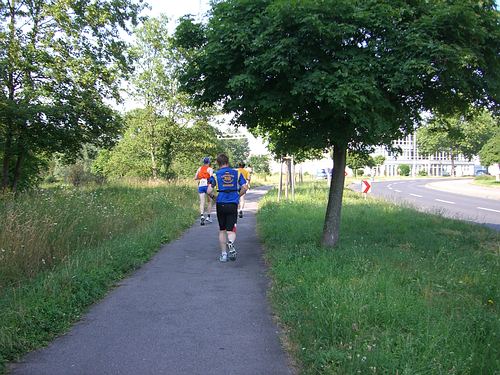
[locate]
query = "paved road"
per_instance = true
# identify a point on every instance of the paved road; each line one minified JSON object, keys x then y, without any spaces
{"x":451,"y":198}
{"x":182,"y":313}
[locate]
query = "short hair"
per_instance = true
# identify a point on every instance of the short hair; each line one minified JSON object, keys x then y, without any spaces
{"x":241,"y":164}
{"x":222,"y":159}
{"x":206,"y":160}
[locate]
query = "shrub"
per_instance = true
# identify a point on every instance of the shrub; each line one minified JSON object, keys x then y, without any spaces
{"x":404,"y":170}
{"x":422,"y":173}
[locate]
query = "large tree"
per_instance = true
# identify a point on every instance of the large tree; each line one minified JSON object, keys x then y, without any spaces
{"x":457,"y":134}
{"x":260,"y":164}
{"x":155,"y":86}
{"x":342,"y":74}
{"x":237,"y":149}
{"x":359,"y":160}
{"x":490,"y":153}
{"x":164,"y":126}
{"x":61,"y":63}
{"x":179,"y":150}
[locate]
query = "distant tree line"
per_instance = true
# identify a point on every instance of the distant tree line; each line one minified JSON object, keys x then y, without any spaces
{"x":60,"y":68}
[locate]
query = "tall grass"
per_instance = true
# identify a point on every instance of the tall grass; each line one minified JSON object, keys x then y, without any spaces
{"x":403,"y":293}
{"x":61,"y":250}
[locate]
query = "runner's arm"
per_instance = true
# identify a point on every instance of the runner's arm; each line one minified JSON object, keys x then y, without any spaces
{"x":243,"y":185}
{"x":211,"y":185}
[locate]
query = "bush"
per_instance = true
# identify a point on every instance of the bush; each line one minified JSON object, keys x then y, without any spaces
{"x":422,"y":173}
{"x":404,"y":170}
{"x":51,"y":179}
{"x":360,"y":172}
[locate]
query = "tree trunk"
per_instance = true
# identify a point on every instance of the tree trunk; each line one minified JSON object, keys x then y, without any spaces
{"x":331,"y":228}
{"x":6,"y":160}
{"x":17,"y":170}
{"x":154,"y":167}
{"x":452,"y":156}
{"x":280,"y":189}
{"x":11,"y":89}
{"x":287,"y":179}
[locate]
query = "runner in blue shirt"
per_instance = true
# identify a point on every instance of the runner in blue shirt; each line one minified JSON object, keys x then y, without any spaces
{"x":230,"y":185}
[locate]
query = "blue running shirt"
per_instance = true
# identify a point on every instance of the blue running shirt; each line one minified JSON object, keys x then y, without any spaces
{"x":228,"y":183}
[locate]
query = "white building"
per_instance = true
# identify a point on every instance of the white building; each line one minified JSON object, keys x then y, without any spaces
{"x":439,"y":164}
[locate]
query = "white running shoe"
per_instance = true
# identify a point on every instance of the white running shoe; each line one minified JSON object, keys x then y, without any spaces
{"x":232,"y":251}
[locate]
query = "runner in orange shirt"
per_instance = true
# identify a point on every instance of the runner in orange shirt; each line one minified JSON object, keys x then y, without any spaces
{"x":202,"y":175}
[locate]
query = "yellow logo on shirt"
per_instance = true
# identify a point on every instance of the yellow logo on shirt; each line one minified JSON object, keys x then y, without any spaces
{"x":227,"y":179}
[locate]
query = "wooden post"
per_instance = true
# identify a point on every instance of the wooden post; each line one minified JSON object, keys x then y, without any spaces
{"x":280,"y":189}
{"x":287,"y":177}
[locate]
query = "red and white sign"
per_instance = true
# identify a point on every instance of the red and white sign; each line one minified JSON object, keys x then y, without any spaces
{"x":366,"y":187}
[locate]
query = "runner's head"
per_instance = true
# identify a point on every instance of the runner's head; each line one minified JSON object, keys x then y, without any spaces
{"x":222,"y":160}
{"x":206,"y":160}
{"x":241,"y":164}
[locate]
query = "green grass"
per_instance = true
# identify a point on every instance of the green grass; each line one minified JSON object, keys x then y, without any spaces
{"x":63,"y":249}
{"x":489,"y":181}
{"x":403,"y":293}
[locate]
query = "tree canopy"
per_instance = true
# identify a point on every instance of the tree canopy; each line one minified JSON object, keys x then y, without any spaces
{"x":260,"y":164}
{"x":237,"y":149}
{"x":166,"y":137}
{"x":490,"y":153}
{"x":61,"y":63}
{"x":457,"y":134}
{"x":341,"y":73}
{"x":359,"y":160}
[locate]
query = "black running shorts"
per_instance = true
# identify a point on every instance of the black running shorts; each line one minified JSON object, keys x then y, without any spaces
{"x":227,"y":215}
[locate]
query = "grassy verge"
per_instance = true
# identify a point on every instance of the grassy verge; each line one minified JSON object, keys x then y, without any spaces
{"x":403,"y":293}
{"x":63,"y":249}
{"x":489,"y":181}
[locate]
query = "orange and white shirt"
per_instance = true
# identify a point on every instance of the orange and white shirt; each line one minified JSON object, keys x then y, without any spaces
{"x":203,"y":174}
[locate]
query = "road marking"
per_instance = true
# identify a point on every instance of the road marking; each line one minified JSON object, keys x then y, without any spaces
{"x":440,"y":200}
{"x":397,"y":191}
{"x":416,"y":195}
{"x":488,"y":209}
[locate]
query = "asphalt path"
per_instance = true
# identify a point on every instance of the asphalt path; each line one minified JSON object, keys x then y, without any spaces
{"x":419,"y":194}
{"x":183,"y":312}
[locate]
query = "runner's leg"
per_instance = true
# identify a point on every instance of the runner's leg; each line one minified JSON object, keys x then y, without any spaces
{"x":202,"y":203}
{"x":222,"y":241}
{"x":221,"y":218}
{"x":231,"y":236}
{"x":209,"y":206}
{"x":241,"y":205}
{"x":202,"y":207}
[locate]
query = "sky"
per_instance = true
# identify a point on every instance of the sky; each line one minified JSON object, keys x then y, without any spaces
{"x":175,"y":9}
